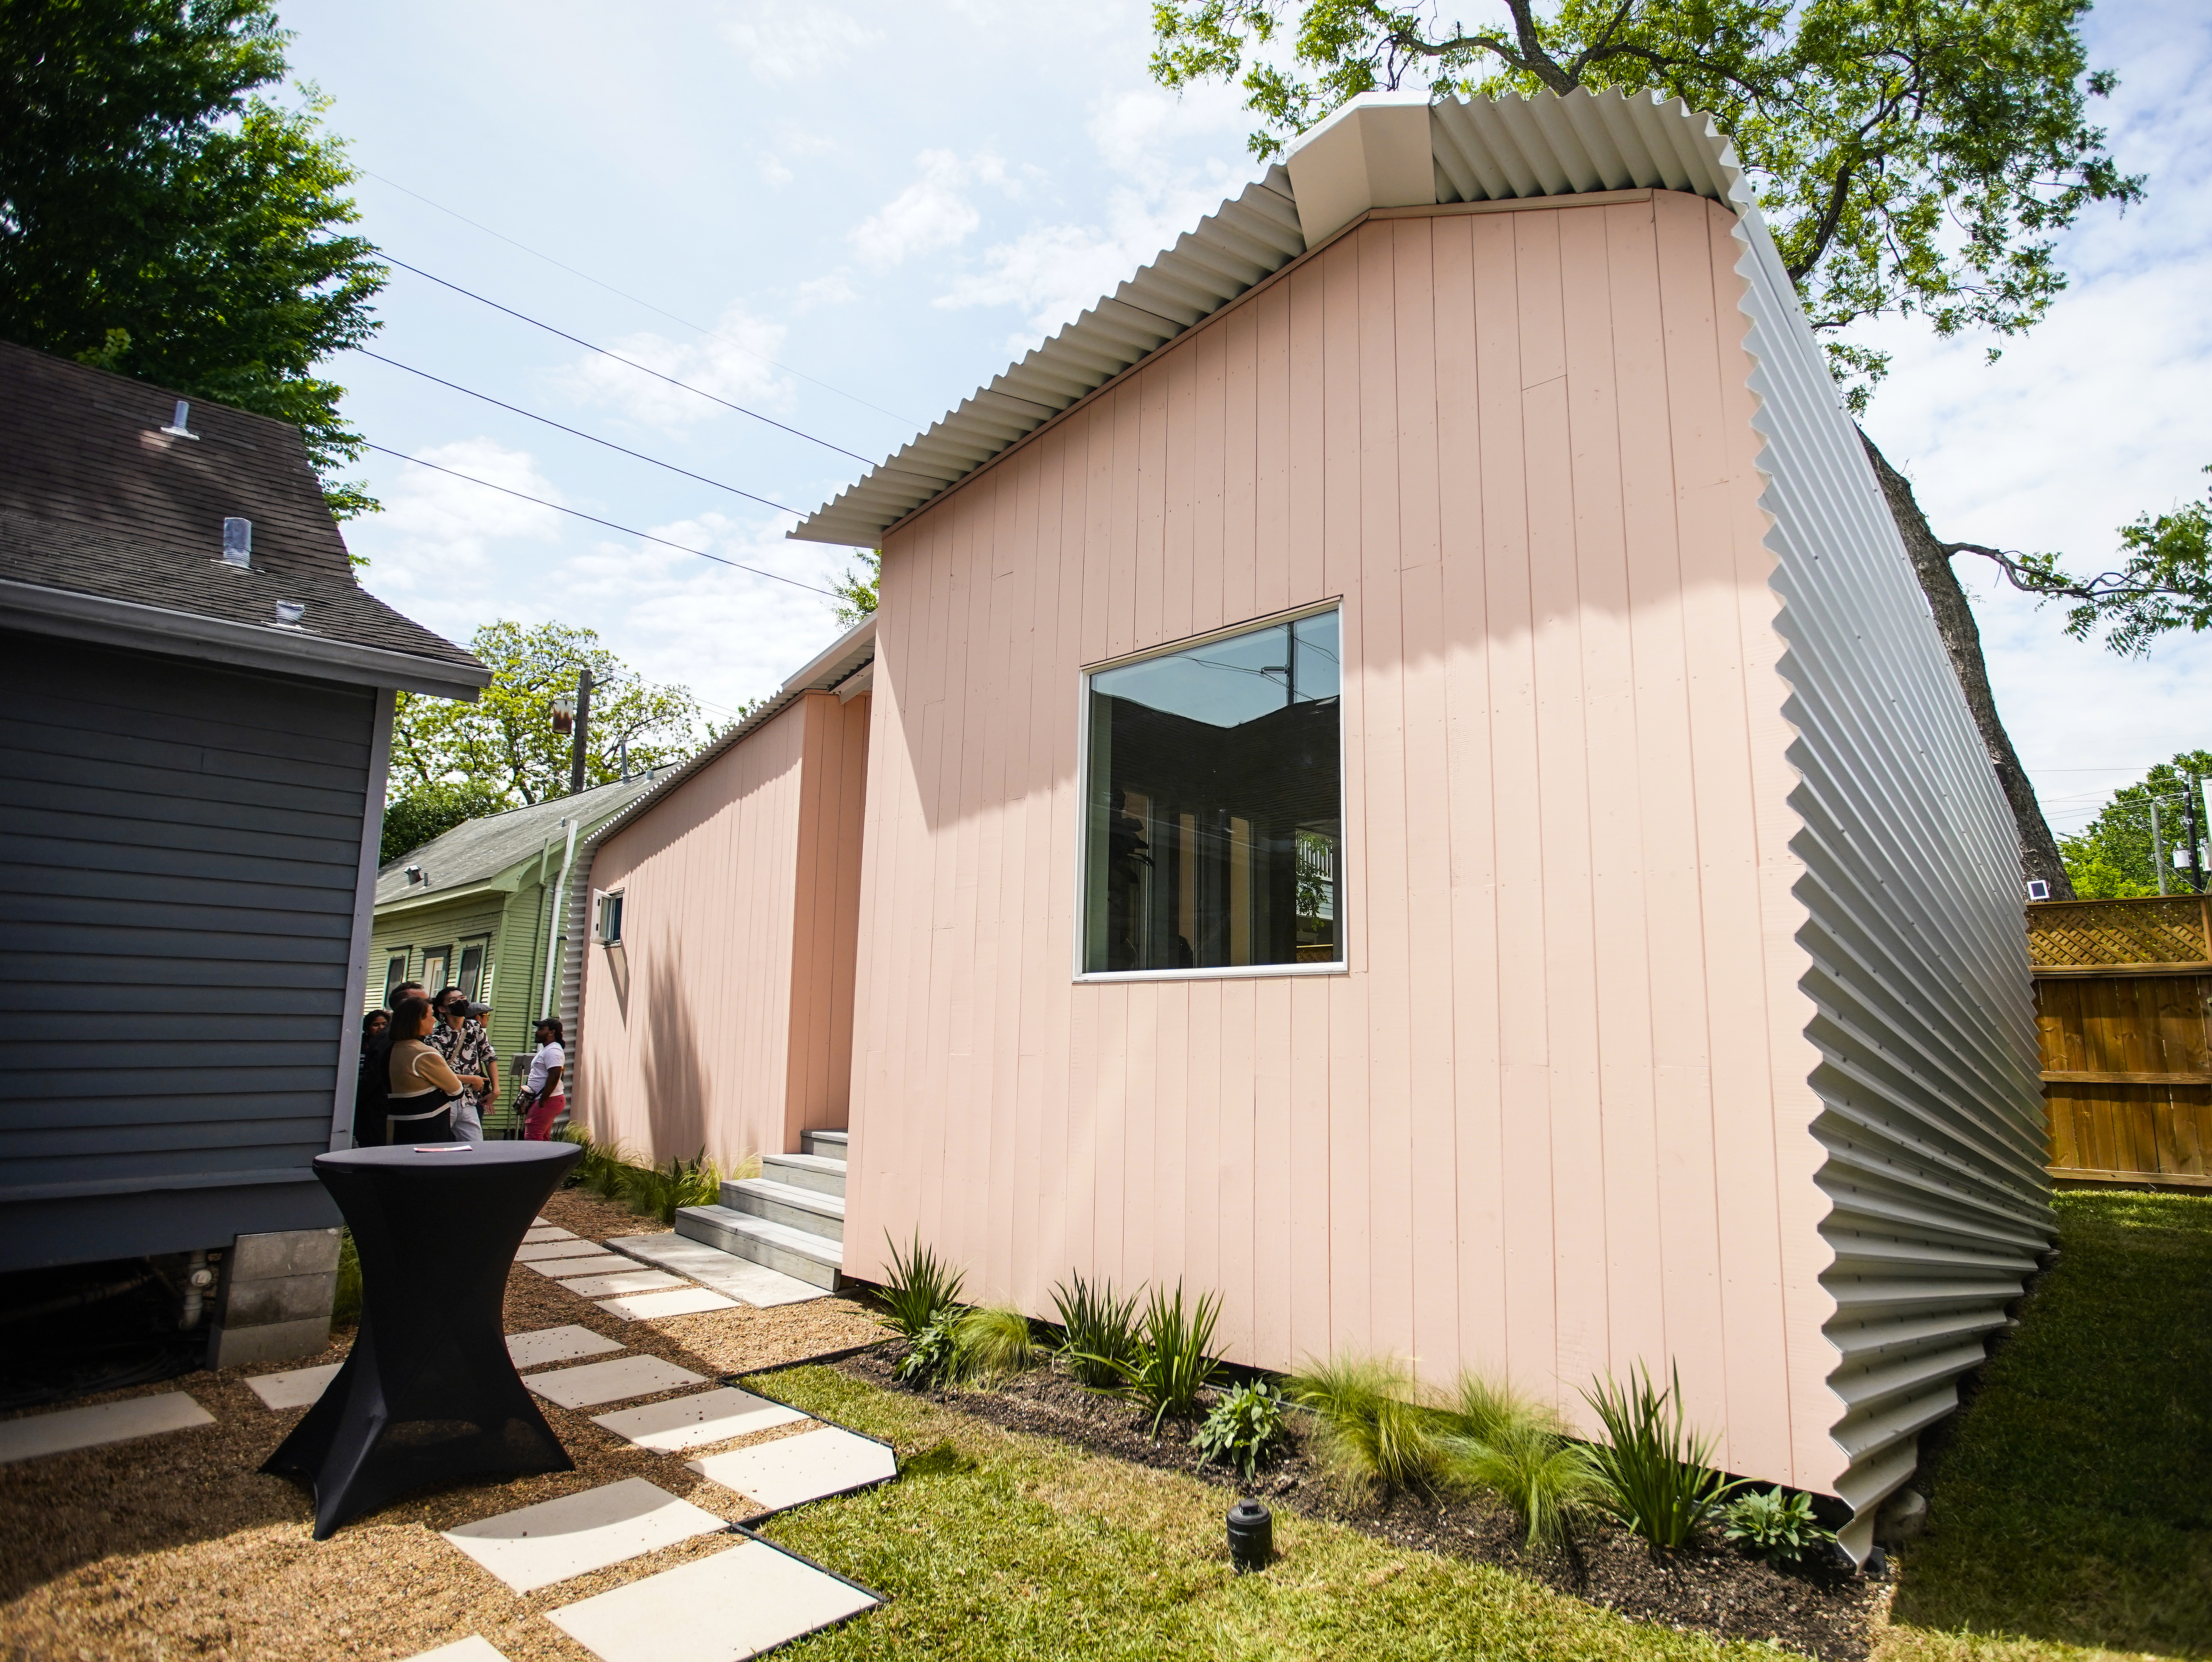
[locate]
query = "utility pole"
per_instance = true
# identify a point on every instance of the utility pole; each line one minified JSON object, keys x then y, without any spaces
{"x":2188,"y":810}
{"x":577,"y":748}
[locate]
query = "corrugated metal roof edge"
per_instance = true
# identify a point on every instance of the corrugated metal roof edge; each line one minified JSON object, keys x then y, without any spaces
{"x":1555,"y":121}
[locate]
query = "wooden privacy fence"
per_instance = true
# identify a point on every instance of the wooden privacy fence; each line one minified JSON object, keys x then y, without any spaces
{"x":2123,"y":1004}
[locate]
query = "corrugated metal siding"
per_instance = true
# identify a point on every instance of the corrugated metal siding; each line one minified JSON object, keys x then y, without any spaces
{"x":576,"y":912}
{"x":1930,"y":1113}
{"x":179,"y":851}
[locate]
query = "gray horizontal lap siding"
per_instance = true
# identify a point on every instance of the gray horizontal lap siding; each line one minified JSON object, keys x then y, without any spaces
{"x":179,"y":849}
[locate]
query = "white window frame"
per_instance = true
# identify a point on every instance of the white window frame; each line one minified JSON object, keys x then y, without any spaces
{"x":1342,"y":966}
{"x":599,"y":917}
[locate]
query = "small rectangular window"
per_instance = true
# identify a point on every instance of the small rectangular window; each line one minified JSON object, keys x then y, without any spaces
{"x":611,"y":917}
{"x":395,"y":972}
{"x":1214,"y":804}
{"x":471,"y":979}
{"x":437,"y":969}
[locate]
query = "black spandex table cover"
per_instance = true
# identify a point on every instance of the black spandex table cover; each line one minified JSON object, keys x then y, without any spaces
{"x":428,"y":1395}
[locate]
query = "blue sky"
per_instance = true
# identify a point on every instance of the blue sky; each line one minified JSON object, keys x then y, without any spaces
{"x":846,"y":216}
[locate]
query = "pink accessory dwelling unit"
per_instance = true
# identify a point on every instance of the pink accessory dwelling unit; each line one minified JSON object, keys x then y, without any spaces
{"x":1405,"y":778}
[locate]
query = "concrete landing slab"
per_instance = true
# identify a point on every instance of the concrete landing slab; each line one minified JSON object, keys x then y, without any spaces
{"x":66,"y":1428}
{"x":682,"y":1301}
{"x":576,"y":1534}
{"x":580,"y":1264}
{"x":792,"y":1471}
{"x":543,"y":1344}
{"x":539,"y":1252}
{"x":600,"y":1382}
{"x":693,"y":1422}
{"x":471,"y":1649}
{"x":631,"y":1280}
{"x":723,"y":1609}
{"x":541,"y":1230}
{"x":725,"y":1273}
{"x":296,"y":1389}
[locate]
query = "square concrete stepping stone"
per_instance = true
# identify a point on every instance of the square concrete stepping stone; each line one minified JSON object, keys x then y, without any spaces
{"x":725,"y":1273}
{"x":544,"y":1344}
{"x":599,"y":1382}
{"x":683,"y":1302}
{"x":539,"y":1252}
{"x":791,"y":1471}
{"x":723,"y":1609}
{"x":693,"y":1422}
{"x":108,"y":1423}
{"x":543,"y":1231}
{"x":632,"y":1280}
{"x":296,"y":1389}
{"x":593,"y":1262}
{"x":471,"y":1649}
{"x":576,"y":1534}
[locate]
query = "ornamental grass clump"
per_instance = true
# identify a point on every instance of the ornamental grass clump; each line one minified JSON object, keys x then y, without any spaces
{"x":1367,"y":1429}
{"x":1098,"y":1331}
{"x":1778,"y":1527}
{"x":1495,"y":1439}
{"x":1657,"y":1473}
{"x":1244,"y":1426}
{"x":920,"y":1288}
{"x":660,"y":1194}
{"x":991,"y":1342}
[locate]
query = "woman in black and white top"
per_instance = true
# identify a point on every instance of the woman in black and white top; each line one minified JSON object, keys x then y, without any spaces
{"x":421,"y":1090}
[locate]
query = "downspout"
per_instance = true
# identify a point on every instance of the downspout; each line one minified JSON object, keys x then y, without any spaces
{"x":553,"y":925}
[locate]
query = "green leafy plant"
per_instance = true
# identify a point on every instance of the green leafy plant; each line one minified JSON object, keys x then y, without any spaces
{"x":1657,"y":1472}
{"x":1171,"y":1369}
{"x":920,"y":1288}
{"x":1778,"y":1527}
{"x":345,"y":1303}
{"x":932,"y":1356}
{"x":1098,"y":1332}
{"x":1242,"y":1429}
{"x":992,"y":1342}
{"x":1369,"y":1431}
{"x":662,"y":1194}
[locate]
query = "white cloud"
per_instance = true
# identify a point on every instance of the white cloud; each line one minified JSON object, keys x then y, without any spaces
{"x":934,"y":211}
{"x":433,"y":552}
{"x":784,"y":44}
{"x":730,"y":363}
{"x":832,"y":289}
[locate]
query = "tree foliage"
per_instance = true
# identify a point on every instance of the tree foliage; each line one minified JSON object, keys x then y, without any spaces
{"x":427,"y":812}
{"x":2112,"y":857}
{"x":160,"y":219}
{"x":857,"y":590}
{"x":504,"y":744}
{"x":1915,"y":156}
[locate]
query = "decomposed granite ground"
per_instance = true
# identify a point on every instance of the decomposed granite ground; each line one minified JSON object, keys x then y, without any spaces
{"x":175,"y":1546}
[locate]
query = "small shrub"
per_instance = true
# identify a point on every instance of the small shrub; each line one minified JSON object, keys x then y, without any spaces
{"x":345,"y":1304}
{"x":932,"y":1357}
{"x":993,"y":1342}
{"x":920,"y":1288}
{"x":1369,"y":1432}
{"x":1778,"y":1527}
{"x":662,"y":1194}
{"x":1547,"y":1481}
{"x":1657,"y":1478}
{"x":1098,"y":1332}
{"x":1243,"y":1429}
{"x":1171,"y":1369}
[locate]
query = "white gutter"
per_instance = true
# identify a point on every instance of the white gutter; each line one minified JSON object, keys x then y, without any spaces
{"x":553,"y":945}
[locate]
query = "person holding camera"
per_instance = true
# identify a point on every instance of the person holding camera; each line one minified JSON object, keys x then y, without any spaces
{"x":461,"y":1040}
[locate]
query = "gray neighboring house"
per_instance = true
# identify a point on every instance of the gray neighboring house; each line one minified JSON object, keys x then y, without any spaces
{"x":196,"y":724}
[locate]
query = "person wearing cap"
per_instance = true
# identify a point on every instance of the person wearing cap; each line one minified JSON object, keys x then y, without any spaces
{"x":461,"y":1040}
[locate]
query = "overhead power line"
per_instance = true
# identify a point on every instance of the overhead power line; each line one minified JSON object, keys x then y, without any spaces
{"x":627,"y":531}
{"x":636,"y":299}
{"x":578,"y":340}
{"x":577,"y":432}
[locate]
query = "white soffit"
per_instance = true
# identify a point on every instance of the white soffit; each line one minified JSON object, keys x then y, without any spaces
{"x":1368,"y":155}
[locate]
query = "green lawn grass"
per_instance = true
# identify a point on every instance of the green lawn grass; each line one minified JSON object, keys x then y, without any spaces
{"x":997,"y":1545}
{"x":2073,"y":1499}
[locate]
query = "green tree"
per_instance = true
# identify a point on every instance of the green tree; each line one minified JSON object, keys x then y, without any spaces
{"x":505,"y":743}
{"x":160,"y":219}
{"x":856,"y":590}
{"x":2113,"y":858}
{"x":1915,"y":157}
{"x":427,"y":812}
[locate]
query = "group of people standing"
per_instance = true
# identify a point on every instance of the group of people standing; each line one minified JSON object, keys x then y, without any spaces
{"x":428,"y":1070}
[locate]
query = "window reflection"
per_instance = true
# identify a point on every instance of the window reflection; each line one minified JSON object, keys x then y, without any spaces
{"x":1215,"y":802}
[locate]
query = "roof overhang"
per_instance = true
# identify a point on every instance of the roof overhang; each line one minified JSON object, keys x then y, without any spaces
{"x":507,"y":884}
{"x":1382,"y":150}
{"x":130,"y":623}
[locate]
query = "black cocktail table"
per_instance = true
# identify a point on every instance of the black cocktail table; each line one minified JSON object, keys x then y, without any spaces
{"x":428,"y":1395}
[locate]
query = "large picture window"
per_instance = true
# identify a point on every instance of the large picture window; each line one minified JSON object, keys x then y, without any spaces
{"x":1215,"y":805}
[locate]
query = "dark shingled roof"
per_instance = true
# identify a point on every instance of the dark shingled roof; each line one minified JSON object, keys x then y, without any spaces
{"x":95,"y":499}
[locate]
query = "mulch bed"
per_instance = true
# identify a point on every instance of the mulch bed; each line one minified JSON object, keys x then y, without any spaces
{"x":1824,"y":1612}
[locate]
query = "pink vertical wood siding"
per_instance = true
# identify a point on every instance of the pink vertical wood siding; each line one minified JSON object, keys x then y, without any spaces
{"x":726,"y":1020}
{"x":1554,"y":1120}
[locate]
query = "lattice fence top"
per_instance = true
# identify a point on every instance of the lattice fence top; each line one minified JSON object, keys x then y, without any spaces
{"x":2160,"y":930}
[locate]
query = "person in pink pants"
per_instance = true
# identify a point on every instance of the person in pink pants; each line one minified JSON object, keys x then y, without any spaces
{"x":546,"y":1097}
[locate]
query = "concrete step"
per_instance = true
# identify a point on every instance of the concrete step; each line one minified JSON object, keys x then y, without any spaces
{"x":810,"y":1210}
{"x":829,"y":1143}
{"x":805,"y":1171}
{"x":794,"y":1251}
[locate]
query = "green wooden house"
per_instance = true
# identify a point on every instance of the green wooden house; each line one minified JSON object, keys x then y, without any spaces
{"x":479,"y":908}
